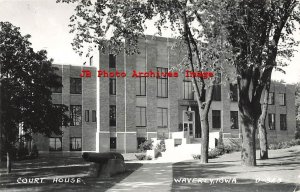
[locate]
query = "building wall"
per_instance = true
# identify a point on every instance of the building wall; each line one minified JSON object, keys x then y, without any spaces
{"x":158,"y":52}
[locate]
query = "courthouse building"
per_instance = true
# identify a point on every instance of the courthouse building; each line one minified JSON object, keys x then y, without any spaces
{"x":118,"y":113}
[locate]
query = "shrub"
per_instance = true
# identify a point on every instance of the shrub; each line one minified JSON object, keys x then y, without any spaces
{"x":161,"y":147}
{"x":196,"y":156}
{"x":147,"y":145}
{"x":140,"y":156}
{"x":284,"y":144}
{"x":22,"y":152}
{"x":215,"y":153}
{"x":34,"y":152}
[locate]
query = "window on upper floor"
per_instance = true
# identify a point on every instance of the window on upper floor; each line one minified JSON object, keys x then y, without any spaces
{"x":75,"y":85}
{"x":216,"y":93}
{"x":282,"y":99}
{"x":216,"y":119}
{"x":75,"y":115}
{"x":233,"y":92}
{"x":283,"y":124}
{"x":162,"y":117}
{"x":87,"y":115}
{"x":188,"y":89}
{"x":57,"y":89}
{"x":112,"y":115}
{"x":94,"y":116}
{"x":112,"y":86}
{"x":112,"y":61}
{"x":162,"y":83}
{"x":140,"y":85}
{"x":271,"y":100}
{"x":234,"y":119}
{"x":271,"y":120}
{"x":140,"y":117}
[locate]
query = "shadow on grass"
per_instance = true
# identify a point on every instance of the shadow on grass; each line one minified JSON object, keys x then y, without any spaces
{"x":57,"y":167}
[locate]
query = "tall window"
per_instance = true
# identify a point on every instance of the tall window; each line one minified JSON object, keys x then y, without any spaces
{"x":283,"y":125}
{"x":140,"y":140}
{"x":188,"y":89}
{"x":112,"y":61}
{"x":87,"y":115}
{"x":282,"y":99}
{"x":140,"y":85}
{"x":162,"y":83}
{"x":271,"y":100}
{"x":91,"y":61}
{"x":55,"y":144}
{"x":140,"y":117}
{"x":233,"y":92}
{"x":57,"y":89}
{"x":234,"y":119}
{"x":216,"y":119}
{"x":75,"y":144}
{"x":112,"y":86}
{"x":162,"y":117}
{"x":271,"y":119}
{"x":113,"y":143}
{"x":75,"y":113}
{"x":216,"y":93}
{"x":94,"y":117}
{"x":112,"y":115}
{"x":75,"y":85}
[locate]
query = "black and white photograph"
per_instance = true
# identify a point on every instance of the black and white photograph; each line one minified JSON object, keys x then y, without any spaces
{"x":150,"y":95}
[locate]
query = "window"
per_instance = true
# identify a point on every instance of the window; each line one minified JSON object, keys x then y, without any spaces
{"x":55,"y":144}
{"x":140,"y":140}
{"x":282,"y":99}
{"x":112,"y":86}
{"x":113,"y":143}
{"x":112,"y":115}
{"x":162,"y":83}
{"x":112,"y":61}
{"x":216,"y":93}
{"x":87,"y":115}
{"x":75,"y":144}
{"x":271,"y":98}
{"x":271,"y":121}
{"x":162,"y":117}
{"x":283,"y":125}
{"x":75,"y":113}
{"x":234,"y":119}
{"x":141,"y":86}
{"x":91,"y":61}
{"x":140,"y":117}
{"x":94,"y":117}
{"x":57,"y":89}
{"x":75,"y":84}
{"x":233,"y":92}
{"x":216,"y":119}
{"x":188,"y":90}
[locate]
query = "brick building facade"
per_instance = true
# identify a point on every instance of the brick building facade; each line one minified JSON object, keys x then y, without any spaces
{"x":118,"y":113}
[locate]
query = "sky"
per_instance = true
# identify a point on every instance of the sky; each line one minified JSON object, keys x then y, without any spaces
{"x":47,"y":23}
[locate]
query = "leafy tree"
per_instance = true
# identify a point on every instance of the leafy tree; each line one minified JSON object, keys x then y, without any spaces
{"x":25,"y":82}
{"x":111,"y":24}
{"x":259,"y":31}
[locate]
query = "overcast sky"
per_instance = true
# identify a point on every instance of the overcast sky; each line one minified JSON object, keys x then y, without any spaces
{"x":47,"y":23}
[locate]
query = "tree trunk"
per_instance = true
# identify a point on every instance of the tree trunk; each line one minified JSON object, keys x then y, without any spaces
{"x":263,"y":142}
{"x":248,"y":153}
{"x":8,"y":162}
{"x":205,"y":136}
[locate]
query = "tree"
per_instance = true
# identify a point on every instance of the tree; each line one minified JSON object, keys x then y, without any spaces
{"x":257,"y":32}
{"x":25,"y":82}
{"x":111,"y":24}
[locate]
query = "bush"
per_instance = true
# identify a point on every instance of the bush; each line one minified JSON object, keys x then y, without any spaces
{"x":22,"y":152}
{"x":147,"y":145}
{"x":215,"y":153}
{"x":34,"y":152}
{"x":143,"y":157}
{"x":197,"y":156}
{"x":161,"y":147}
{"x":284,"y":144}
